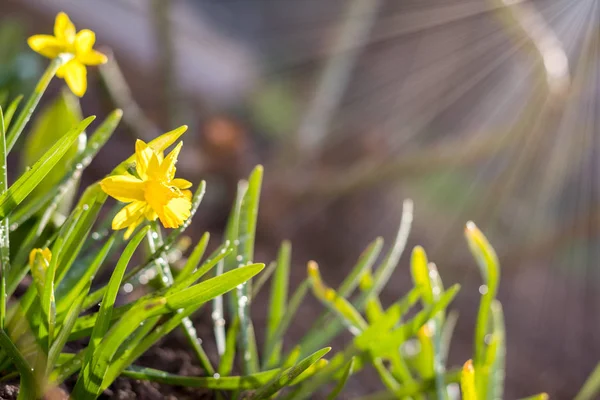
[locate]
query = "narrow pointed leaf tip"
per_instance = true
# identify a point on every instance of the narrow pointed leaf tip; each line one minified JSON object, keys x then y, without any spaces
{"x":467,"y":381}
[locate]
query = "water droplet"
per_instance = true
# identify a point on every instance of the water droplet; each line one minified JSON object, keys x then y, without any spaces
{"x":216,"y":376}
{"x":436,"y":290}
{"x":143,"y":279}
{"x":239,"y":258}
{"x":483,"y":289}
{"x":223,"y":251}
{"x":85,"y":207}
{"x":79,"y":166}
{"x":128,"y":288}
{"x":236,"y":242}
{"x":240,"y":286}
{"x":155,"y":235}
{"x":95,"y":235}
{"x":14,"y":227}
{"x":165,"y":279}
{"x":487,"y":339}
{"x":433,"y":274}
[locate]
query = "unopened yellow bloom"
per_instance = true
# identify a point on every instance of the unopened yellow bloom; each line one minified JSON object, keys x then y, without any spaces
{"x":78,"y":44}
{"x":152,"y":193}
{"x":45,"y":253}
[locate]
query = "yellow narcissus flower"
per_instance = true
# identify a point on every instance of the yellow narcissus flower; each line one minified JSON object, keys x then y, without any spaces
{"x":153,"y":193}
{"x":67,"y":41}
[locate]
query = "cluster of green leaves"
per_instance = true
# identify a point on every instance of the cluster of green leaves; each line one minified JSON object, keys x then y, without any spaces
{"x":406,"y":343}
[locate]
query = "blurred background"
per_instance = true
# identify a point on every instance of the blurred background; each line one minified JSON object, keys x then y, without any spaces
{"x":483,"y":110}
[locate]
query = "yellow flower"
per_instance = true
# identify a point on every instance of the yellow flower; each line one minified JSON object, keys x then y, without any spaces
{"x":77,"y":44}
{"x":153,"y":193}
{"x":45,"y":253}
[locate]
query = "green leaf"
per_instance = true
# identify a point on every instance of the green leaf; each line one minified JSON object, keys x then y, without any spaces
{"x":228,"y":357}
{"x":487,"y":261}
{"x":32,"y":178}
{"x":60,"y":116}
{"x":365,"y":263}
{"x":288,"y":375}
{"x":540,"y":396}
{"x":467,"y":382}
{"x":246,"y":238}
{"x":69,"y":180}
{"x":10,"y":111}
{"x":292,"y":307}
{"x":4,"y":225}
{"x":204,"y":291}
{"x":248,"y":382}
{"x":69,"y":321}
{"x":194,"y":259}
{"x":87,"y":382}
{"x":342,"y":382}
{"x":277,"y":303}
{"x":76,"y":283}
{"x":591,"y":387}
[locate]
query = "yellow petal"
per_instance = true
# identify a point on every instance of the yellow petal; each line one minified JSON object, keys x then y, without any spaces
{"x":143,"y":155}
{"x":132,"y":227}
{"x":45,"y":253}
{"x":154,"y":171}
{"x":84,"y":41}
{"x":167,"y":167}
{"x":92,"y":57}
{"x":174,"y":214}
{"x":46,"y":45}
{"x":64,"y":30}
{"x":130,"y":214}
{"x":75,"y":75}
{"x":161,"y":143}
{"x":181,"y":183}
{"x":125,"y":188}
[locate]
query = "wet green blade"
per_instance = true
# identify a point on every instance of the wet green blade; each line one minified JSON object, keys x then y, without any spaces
{"x":288,"y":375}
{"x":32,"y":178}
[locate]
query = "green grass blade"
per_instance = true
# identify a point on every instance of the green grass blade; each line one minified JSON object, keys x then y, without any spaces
{"x":28,"y":384}
{"x":263,"y":278}
{"x":539,"y":396}
{"x":289,"y":375}
{"x":467,"y":382}
{"x":194,"y":259}
{"x":246,"y":238}
{"x":489,"y":268}
{"x":205,"y":291}
{"x":69,"y":321}
{"x":94,"y":144}
{"x":87,"y":382}
{"x":342,"y":382}
{"x":17,"y":128}
{"x":30,"y":179}
{"x":292,"y":307}
{"x":4,"y":225}
{"x":591,"y":387}
{"x":248,"y":382}
{"x":277,"y":303}
{"x":10,"y":111}
{"x":228,"y":356}
{"x":365,"y":263}
{"x":75,"y":286}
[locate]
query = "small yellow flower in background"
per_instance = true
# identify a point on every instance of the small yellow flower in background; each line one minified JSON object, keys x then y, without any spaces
{"x":78,"y":44}
{"x":153,"y":193}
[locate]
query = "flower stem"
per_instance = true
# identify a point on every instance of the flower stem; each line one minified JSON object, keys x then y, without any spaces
{"x":165,"y":279}
{"x":25,"y":114}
